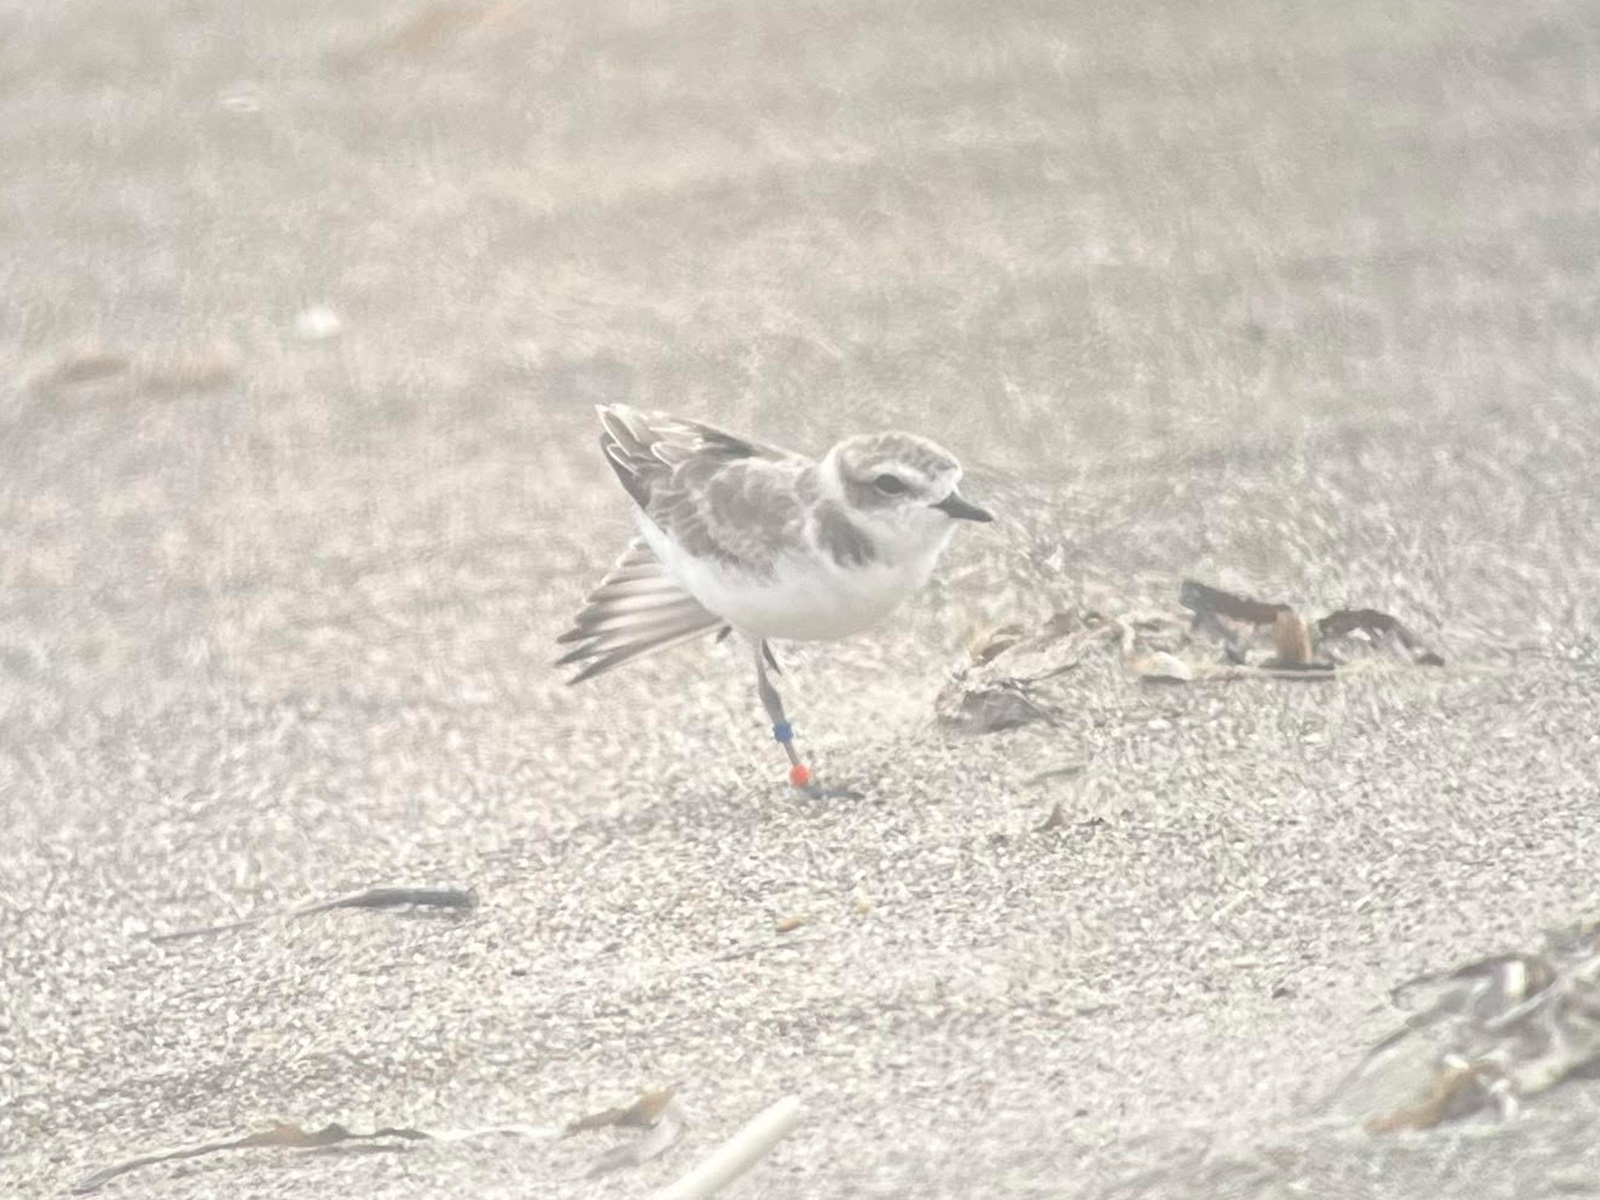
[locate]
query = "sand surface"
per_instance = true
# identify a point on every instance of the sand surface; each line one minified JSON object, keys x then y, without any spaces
{"x":303,"y":309}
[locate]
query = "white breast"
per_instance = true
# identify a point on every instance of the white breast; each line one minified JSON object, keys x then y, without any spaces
{"x":810,"y":599}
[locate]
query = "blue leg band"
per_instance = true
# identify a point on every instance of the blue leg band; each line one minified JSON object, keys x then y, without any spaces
{"x":783,"y":732}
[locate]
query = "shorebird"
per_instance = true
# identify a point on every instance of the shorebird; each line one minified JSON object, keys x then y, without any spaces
{"x":738,"y":536}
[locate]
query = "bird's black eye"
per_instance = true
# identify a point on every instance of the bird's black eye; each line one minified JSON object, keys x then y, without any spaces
{"x":889,"y":485}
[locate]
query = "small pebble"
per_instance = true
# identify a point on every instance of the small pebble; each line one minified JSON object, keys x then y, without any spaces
{"x":317,"y":324}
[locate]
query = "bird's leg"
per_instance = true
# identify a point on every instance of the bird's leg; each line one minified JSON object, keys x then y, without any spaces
{"x":799,"y":773}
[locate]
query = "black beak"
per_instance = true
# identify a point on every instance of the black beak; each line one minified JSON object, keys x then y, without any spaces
{"x":961,"y":510}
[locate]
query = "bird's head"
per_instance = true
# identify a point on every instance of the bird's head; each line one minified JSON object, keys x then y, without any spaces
{"x":900,"y":488}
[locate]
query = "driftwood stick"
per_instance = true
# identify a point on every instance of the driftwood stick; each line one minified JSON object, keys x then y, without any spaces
{"x":738,"y":1154}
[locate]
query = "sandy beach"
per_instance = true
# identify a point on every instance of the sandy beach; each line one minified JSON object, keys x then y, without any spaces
{"x":304,"y":310}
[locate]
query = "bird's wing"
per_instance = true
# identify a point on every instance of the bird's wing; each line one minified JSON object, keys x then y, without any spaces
{"x":718,"y":496}
{"x":646,"y":449}
{"x":636,"y":610}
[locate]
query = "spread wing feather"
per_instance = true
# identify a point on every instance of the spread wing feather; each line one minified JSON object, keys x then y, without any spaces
{"x":646,"y":449}
{"x":636,"y":610}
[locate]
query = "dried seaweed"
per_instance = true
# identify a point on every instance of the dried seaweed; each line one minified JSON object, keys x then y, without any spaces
{"x":641,"y":1114}
{"x":109,"y":372}
{"x":1370,"y":620}
{"x":1014,"y":676}
{"x":1203,"y":598}
{"x":1291,"y":633}
{"x":290,"y":1136}
{"x":1486,"y":1034}
{"x":1008,"y":669}
{"x":657,"y":1112}
{"x":457,"y":899}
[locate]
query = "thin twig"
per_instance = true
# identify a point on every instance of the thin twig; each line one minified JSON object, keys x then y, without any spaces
{"x":459,"y":899}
